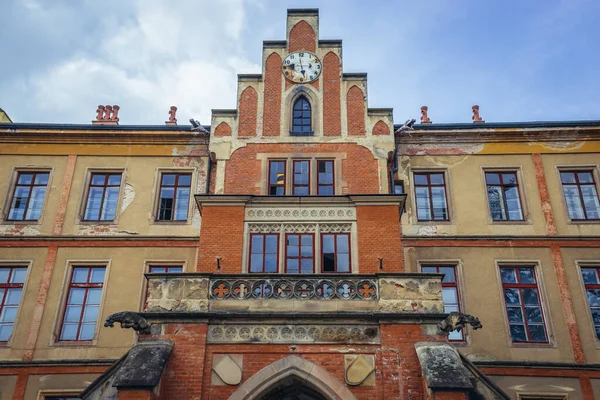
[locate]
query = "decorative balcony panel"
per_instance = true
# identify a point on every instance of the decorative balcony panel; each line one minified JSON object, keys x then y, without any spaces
{"x":286,"y":288}
{"x":280,"y":293}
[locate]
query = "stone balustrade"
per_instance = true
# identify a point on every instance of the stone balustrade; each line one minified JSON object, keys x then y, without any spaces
{"x":384,"y":293}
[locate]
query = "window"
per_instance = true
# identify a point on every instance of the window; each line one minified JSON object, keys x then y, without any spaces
{"x":430,"y":193}
{"x":299,"y":257}
{"x":174,"y":197}
{"x":398,"y":187}
{"x":301,"y":122}
{"x":325,"y":185}
{"x":165,"y":269}
{"x":301,"y":184}
{"x":102,"y":197}
{"x":264,"y":252}
{"x":503,"y":196}
{"x":592,"y":289}
{"x":523,"y":306}
{"x":11,"y":286}
{"x":28,"y":196}
{"x":83,"y":303}
{"x":276,"y":178}
{"x":449,"y":292}
{"x":581,"y":195}
{"x":335,"y":252}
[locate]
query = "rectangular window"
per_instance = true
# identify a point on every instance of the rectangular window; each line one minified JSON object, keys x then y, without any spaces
{"x":503,"y":196}
{"x":299,"y":258}
{"x":28,"y":196}
{"x":102,"y":197}
{"x":592,"y":289}
{"x":82,"y":304}
{"x":335,"y":252}
{"x":174,"y":197}
{"x":449,"y":292}
{"x":11,"y":286}
{"x":165,"y":269}
{"x":325,"y":183}
{"x":523,"y":306}
{"x":301,"y":184}
{"x":276,"y":178}
{"x":398,"y":187}
{"x":581,"y":195}
{"x":430,"y":193}
{"x":264,"y":252}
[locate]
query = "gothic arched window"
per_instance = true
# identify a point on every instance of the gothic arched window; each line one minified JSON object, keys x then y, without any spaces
{"x":301,"y":122}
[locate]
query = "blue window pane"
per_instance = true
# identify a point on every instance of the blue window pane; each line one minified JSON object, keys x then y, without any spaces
{"x":114,"y":179}
{"x":537,"y":333}
{"x":306,"y":251}
{"x":511,"y":296}
{"x":69,"y":332}
{"x":301,"y":191}
{"x":514,"y":314}
{"x":508,"y":275}
{"x":90,"y":314}
{"x":449,"y":274}
{"x":4,"y":273}
{"x":530,"y":296}
{"x":593,"y":297}
{"x":567,"y":177}
{"x":98,"y":179}
{"x":18,"y":275}
{"x":25,"y":179}
{"x":158,"y":270}
{"x":35,"y":203}
{"x":328,"y":244}
{"x":185,"y":180}
{"x":307,"y":266}
{"x":87,"y":331}
{"x":256,"y":263}
{"x":72,"y":313}
{"x":168,"y":179}
{"x":585,"y":177}
{"x":92,"y":210}
{"x":181,"y":206}
{"x":97,"y":275}
{"x":429,"y":269}
{"x":94,"y":295}
{"x":9,"y":314}
{"x":534,"y":314}
{"x":449,"y":295}
{"x":526,"y":275}
{"x":342,"y":244}
{"x":420,"y":179}
{"x":271,"y":263}
{"x":13,"y":296}
{"x":293,"y":251}
{"x":492,"y":178}
{"x":343,"y":263}
{"x":80,"y":275}
{"x":271,"y":244}
{"x":76,"y":296}
{"x":596,"y":316}
{"x":257,"y":244}
{"x":597,"y":331}
{"x":436,"y":179}
{"x":517,"y":332}
{"x":292,"y":266}
{"x":5,"y":332}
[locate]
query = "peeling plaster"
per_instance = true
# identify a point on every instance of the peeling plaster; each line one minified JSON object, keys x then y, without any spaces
{"x":440,"y":149}
{"x":561,"y":146}
{"x":102,"y":230}
{"x":427,"y":230}
{"x":19,"y":230}
{"x":128,"y":196}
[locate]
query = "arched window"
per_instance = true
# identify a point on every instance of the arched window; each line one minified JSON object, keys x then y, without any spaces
{"x":301,"y":123}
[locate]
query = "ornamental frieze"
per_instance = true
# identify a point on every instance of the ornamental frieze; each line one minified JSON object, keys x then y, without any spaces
{"x":345,"y":288}
{"x":295,"y":213}
{"x":305,"y":333}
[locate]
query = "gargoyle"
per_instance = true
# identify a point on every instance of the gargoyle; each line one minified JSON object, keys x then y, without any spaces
{"x":128,"y":319}
{"x":456,"y":321}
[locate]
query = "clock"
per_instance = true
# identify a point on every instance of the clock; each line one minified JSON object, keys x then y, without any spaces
{"x":301,"y":67}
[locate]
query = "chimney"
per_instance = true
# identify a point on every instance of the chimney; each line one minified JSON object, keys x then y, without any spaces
{"x":172,"y":120}
{"x":107,"y":115}
{"x":476,"y":117}
{"x":424,"y":118}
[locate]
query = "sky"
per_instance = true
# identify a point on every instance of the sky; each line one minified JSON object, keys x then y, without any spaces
{"x":520,"y":60}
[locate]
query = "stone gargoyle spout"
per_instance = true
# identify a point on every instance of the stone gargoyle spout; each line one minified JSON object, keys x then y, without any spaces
{"x":129,"y":319}
{"x":457,"y":321}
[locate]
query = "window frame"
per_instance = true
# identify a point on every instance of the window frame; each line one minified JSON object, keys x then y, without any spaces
{"x":546,"y":318}
{"x":277,"y":235}
{"x":301,"y":133}
{"x":456,"y":284}
{"x":500,"y":172}
{"x":158,"y":186}
{"x":87,"y":285}
{"x":27,"y":264}
{"x":14,"y":179}
{"x":300,"y":257}
{"x":269,"y":184}
{"x":319,"y":185}
{"x":105,"y":186}
{"x":84,"y":195}
{"x":322,"y":257}
{"x":307,"y":185}
{"x":64,"y":297}
{"x":447,"y":191}
{"x":589,"y":264}
{"x":593,"y":170}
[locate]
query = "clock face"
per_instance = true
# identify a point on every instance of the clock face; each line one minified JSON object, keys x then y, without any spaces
{"x":301,"y":67}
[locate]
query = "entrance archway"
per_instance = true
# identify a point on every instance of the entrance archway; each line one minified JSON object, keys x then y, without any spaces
{"x":293,"y":376}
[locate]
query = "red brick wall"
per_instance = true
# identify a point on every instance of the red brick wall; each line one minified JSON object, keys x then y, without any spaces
{"x":272,"y":96}
{"x":302,"y":37}
{"x":355,"y":105}
{"x":248,"y":112}
{"x":221,"y":235}
{"x":381,"y":128}
{"x":223,"y":129}
{"x":182,"y":378}
{"x":332,"y":114}
{"x":379,"y":237}
{"x":360,"y":169}
{"x":136,"y":395}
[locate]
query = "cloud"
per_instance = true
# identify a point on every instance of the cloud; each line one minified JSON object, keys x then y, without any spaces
{"x":154,"y":55}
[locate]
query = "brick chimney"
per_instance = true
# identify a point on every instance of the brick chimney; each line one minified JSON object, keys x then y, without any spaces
{"x":476,"y":117}
{"x":172,"y":120}
{"x":107,"y":115}
{"x":424,"y":117}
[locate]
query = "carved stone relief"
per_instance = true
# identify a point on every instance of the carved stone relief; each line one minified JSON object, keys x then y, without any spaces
{"x":295,"y":213}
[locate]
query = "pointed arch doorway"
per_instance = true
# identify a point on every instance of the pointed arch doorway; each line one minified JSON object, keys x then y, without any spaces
{"x":293,"y":378}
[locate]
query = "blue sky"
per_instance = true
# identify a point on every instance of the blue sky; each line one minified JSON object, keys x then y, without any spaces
{"x":519,"y":60}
